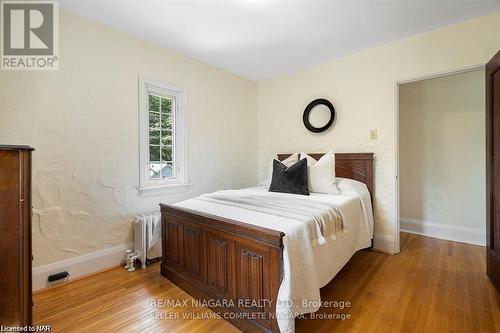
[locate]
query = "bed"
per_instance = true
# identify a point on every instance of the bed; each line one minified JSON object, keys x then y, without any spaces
{"x":248,"y":262}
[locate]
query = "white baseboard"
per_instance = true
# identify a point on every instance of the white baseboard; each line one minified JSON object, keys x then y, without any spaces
{"x":80,"y":266}
{"x":384,"y":243}
{"x":468,"y":235}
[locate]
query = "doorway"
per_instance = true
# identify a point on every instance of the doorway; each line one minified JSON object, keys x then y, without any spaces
{"x":441,"y":156}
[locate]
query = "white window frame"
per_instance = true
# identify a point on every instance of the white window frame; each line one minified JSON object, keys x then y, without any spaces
{"x":148,"y":187}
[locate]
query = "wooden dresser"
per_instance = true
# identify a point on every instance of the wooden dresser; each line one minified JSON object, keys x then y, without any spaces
{"x":15,"y":235}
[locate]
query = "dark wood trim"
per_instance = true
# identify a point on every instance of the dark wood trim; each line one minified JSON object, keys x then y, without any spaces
{"x":16,"y":147}
{"x":25,"y":245}
{"x":217,"y":258}
{"x":15,"y":228}
{"x":251,"y":232}
{"x":492,"y":192}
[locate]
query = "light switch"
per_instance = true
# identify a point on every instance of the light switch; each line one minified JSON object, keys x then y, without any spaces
{"x":373,"y":134}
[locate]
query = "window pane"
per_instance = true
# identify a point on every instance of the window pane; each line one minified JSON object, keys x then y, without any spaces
{"x":154,"y":170}
{"x":166,"y":105}
{"x":154,"y":120}
{"x":154,"y":103}
{"x":166,"y":154}
{"x":154,"y":154}
{"x":166,"y":121}
{"x":154,"y":137}
{"x":164,"y":163}
{"x":166,"y":138}
{"x":167,"y":170}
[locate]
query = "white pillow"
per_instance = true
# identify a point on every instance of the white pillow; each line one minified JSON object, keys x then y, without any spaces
{"x":321,"y":173}
{"x":289,"y":161}
{"x":351,"y":185}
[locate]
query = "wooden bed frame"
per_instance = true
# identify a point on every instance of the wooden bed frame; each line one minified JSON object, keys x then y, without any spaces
{"x":234,"y":265}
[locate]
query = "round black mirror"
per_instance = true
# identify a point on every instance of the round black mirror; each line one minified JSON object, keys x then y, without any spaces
{"x":319,"y":115}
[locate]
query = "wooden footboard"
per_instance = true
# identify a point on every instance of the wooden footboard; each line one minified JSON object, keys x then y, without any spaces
{"x":220,"y":259}
{"x":234,"y":265}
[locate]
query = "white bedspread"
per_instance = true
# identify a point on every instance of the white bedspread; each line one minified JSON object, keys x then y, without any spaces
{"x":309,"y":222}
{"x":320,"y":219}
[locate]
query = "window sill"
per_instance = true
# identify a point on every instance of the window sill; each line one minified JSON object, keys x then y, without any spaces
{"x":157,"y":190}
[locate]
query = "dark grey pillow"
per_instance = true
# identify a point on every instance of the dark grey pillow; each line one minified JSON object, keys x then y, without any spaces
{"x":290,"y":180}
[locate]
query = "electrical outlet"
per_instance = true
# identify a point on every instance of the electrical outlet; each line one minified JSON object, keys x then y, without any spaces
{"x":373,"y":134}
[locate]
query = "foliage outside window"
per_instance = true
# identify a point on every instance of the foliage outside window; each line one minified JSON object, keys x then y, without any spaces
{"x":161,"y":146}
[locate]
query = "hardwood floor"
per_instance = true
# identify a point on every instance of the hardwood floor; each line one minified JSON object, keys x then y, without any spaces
{"x":431,"y":286}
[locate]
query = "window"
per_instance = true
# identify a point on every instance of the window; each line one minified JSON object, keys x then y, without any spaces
{"x":163,"y":164}
{"x":161,"y":147}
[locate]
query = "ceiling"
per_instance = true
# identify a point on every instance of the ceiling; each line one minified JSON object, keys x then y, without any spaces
{"x":260,"y":39}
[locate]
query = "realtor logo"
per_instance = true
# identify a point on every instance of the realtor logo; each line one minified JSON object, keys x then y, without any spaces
{"x":29,"y":35}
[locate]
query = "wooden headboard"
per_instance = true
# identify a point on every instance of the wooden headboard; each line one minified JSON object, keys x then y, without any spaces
{"x":357,"y":166}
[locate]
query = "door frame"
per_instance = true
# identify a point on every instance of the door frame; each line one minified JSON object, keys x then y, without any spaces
{"x":492,"y":259}
{"x":396,"y":131}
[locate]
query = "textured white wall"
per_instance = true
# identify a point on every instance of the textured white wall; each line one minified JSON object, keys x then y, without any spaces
{"x":362,"y":88}
{"x":442,"y":150}
{"x":83,"y":122}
